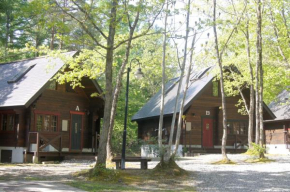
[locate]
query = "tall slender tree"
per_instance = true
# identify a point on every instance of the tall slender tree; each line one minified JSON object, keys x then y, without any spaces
{"x":160,"y":126}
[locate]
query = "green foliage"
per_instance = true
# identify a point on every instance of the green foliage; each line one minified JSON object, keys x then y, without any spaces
{"x":224,"y":161}
{"x":256,"y":150}
{"x":100,"y":173}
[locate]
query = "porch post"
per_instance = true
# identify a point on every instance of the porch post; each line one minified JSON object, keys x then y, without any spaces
{"x":35,"y":160}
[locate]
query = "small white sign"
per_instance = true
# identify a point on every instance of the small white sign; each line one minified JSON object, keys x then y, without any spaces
{"x":188,"y":126}
{"x":64,"y":125}
{"x":207,"y":112}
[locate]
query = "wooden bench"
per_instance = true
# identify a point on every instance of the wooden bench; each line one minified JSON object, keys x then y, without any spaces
{"x":142,"y":160}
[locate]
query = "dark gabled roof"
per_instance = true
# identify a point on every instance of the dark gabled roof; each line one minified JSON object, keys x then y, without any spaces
{"x":198,"y":81}
{"x":22,"y":81}
{"x":281,"y":106}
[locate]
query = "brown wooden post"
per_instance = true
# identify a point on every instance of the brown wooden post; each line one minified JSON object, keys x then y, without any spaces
{"x":96,"y":144}
{"x":60,"y":145}
{"x":93,"y":143}
{"x":36,"y":155}
{"x":235,"y":143}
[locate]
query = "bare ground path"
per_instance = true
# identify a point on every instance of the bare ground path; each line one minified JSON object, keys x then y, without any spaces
{"x":38,"y":177}
{"x":242,"y":177}
{"x":204,"y":175}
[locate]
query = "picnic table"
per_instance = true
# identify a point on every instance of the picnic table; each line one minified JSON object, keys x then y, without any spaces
{"x":143,"y":161}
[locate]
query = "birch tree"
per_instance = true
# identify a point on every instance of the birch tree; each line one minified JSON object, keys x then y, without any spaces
{"x":160,"y":127}
{"x":219,"y":54}
{"x":179,"y":85}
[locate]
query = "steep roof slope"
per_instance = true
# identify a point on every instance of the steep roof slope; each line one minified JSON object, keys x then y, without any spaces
{"x":281,"y":106}
{"x":22,"y":81}
{"x":198,"y":81}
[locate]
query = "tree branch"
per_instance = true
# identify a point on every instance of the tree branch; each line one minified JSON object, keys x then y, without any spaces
{"x":82,"y":25}
{"x":90,"y":19}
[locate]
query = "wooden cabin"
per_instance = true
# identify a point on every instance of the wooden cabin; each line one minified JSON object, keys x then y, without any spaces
{"x":202,"y":126}
{"x":277,"y":131}
{"x":44,"y":119}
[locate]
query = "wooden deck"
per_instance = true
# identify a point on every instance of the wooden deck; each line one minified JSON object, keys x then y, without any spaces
{"x":42,"y":141}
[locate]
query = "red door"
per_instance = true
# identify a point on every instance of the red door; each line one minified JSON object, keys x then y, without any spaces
{"x":207,"y":125}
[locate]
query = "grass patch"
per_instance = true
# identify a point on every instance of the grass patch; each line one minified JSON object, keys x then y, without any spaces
{"x":33,"y":179}
{"x":167,"y":178}
{"x":7,"y":165}
{"x":100,"y":186}
{"x":223,"y":162}
{"x":168,"y":170}
{"x":259,"y":160}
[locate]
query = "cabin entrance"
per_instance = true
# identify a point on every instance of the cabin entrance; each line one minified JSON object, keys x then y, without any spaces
{"x":207,"y":133}
{"x":76,"y":131}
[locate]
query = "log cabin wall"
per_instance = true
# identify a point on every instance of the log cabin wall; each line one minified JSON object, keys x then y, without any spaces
{"x":275,"y":132}
{"x":275,"y":136}
{"x":17,"y":136}
{"x":209,"y":106}
{"x":149,"y":128}
{"x":61,"y":102}
{"x":205,"y":106}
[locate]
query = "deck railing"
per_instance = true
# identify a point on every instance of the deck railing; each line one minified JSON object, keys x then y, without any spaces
{"x":42,"y":142}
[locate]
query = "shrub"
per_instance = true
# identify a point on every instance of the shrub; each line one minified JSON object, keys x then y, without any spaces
{"x":256,"y":150}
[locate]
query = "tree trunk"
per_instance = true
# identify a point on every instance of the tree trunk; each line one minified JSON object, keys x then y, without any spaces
{"x":52,"y":38}
{"x":102,"y":151}
{"x":257,"y":105}
{"x":276,"y":32}
{"x":178,"y":91}
{"x":285,"y":23}
{"x":260,"y":64}
{"x":219,"y":58}
{"x":252,"y":103}
{"x":7,"y":33}
{"x":184,"y":92}
{"x":160,"y":127}
{"x":118,"y":88}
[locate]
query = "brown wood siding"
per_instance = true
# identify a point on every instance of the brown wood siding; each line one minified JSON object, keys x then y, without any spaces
{"x":275,"y":131}
{"x":205,"y":102}
{"x":61,"y":102}
{"x":58,"y":102}
{"x":9,"y":138}
{"x":275,"y":136}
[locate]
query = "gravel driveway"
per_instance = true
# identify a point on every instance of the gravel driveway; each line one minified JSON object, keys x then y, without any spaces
{"x":242,"y":177}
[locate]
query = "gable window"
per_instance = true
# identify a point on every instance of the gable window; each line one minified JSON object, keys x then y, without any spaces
{"x":52,"y":85}
{"x":215,"y":88}
{"x":46,"y":122}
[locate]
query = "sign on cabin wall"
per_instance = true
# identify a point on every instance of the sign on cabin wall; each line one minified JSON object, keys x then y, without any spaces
{"x":207,"y":112}
{"x":188,"y":126}
{"x":64,"y":125}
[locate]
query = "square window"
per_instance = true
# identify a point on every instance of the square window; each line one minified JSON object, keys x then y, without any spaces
{"x":46,"y":122}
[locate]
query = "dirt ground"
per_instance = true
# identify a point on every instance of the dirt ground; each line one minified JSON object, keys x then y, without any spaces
{"x":27,"y":174}
{"x":30,"y":172}
{"x":203,"y":175}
